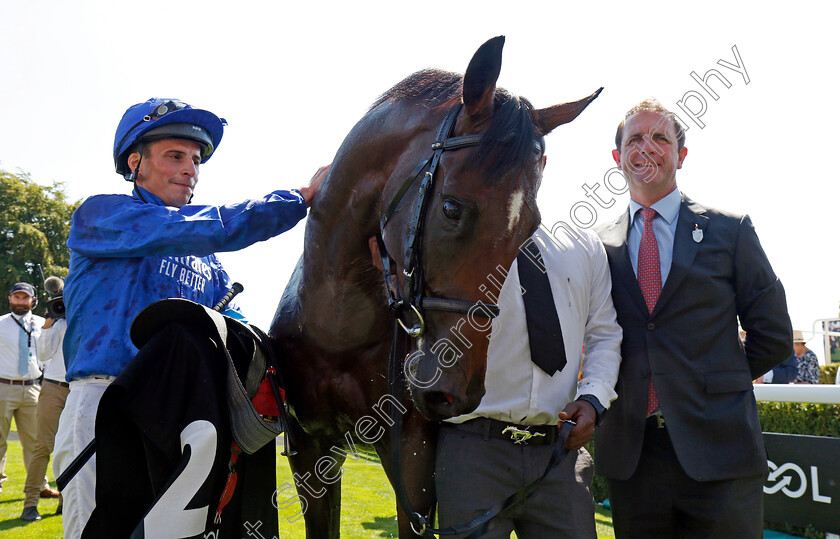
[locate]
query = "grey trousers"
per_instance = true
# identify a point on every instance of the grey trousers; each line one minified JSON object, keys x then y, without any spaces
{"x":473,"y":473}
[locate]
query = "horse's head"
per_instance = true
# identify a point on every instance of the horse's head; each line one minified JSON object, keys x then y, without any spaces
{"x":453,"y":225}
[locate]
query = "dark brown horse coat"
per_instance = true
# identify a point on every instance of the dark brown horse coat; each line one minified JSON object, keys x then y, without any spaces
{"x":333,"y":326}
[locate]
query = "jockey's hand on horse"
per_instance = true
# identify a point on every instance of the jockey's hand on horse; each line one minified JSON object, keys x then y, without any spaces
{"x":582,"y":413}
{"x":309,"y":191}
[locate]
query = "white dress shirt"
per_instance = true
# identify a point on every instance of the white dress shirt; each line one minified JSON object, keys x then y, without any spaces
{"x":9,"y":338}
{"x":50,"y":350}
{"x":520,"y":392}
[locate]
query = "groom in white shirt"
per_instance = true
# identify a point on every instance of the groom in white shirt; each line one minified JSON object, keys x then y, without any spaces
{"x":479,"y":463}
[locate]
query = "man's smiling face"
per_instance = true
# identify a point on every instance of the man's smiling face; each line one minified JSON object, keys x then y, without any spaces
{"x":649,"y":154}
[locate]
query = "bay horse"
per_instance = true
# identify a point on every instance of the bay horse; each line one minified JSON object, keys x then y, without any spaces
{"x":462,"y":223}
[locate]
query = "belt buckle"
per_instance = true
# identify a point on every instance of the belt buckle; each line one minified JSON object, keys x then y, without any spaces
{"x":521,"y":436}
{"x":660,"y":419}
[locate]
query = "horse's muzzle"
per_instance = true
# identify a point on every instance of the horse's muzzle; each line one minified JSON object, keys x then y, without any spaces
{"x":441,"y":393}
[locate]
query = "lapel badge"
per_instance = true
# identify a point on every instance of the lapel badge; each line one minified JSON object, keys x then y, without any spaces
{"x":697,"y":233}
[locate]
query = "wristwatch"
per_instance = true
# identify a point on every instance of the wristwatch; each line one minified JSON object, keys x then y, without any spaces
{"x":599,"y":408}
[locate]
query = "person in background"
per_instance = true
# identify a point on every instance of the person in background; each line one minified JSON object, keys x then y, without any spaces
{"x":54,"y":390}
{"x":784,"y":373}
{"x":807,"y":364}
{"x":20,"y":371}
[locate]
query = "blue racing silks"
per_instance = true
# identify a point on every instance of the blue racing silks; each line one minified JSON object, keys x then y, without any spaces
{"x":128,"y":252}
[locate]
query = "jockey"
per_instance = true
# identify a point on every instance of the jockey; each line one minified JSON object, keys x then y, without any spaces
{"x":130,"y":251}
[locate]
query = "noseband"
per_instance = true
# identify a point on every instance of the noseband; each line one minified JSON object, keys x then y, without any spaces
{"x":413,"y":271}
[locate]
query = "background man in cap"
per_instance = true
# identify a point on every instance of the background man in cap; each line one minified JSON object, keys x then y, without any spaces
{"x":19,"y":374}
{"x":127,"y":252}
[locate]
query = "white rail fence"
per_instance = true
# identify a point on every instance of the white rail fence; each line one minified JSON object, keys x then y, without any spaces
{"x":816,"y":393}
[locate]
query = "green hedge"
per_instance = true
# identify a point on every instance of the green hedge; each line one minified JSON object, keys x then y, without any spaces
{"x":828,"y":373}
{"x":800,"y":418}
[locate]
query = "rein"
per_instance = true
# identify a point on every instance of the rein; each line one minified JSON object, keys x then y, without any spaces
{"x":417,"y":302}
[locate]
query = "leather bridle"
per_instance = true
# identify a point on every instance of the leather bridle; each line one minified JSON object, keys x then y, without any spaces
{"x":417,"y":303}
{"x":413,"y":271}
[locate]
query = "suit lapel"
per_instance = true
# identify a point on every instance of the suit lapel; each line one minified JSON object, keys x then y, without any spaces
{"x":614,"y":239}
{"x":685,"y":247}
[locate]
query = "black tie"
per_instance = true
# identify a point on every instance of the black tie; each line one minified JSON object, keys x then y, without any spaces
{"x":544,"y":333}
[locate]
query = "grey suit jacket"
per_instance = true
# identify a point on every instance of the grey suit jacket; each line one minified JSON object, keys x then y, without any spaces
{"x":690,"y":345}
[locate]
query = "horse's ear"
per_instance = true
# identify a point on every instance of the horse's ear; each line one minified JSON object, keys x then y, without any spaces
{"x":549,"y":118}
{"x":373,"y":245}
{"x":480,"y":79}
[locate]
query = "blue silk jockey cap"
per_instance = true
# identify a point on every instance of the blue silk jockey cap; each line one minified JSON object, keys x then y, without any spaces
{"x":160,"y":118}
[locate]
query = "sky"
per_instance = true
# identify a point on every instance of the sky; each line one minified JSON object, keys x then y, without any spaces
{"x":293,"y":78}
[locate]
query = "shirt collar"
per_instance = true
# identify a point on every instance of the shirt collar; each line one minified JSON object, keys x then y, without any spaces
{"x":25,"y":318}
{"x":667,"y":207}
{"x":145,"y":195}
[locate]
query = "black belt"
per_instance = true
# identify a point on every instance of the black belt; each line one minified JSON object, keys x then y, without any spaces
{"x":511,"y":432}
{"x":18,"y":382}
{"x":655,"y":421}
{"x":57,"y":382}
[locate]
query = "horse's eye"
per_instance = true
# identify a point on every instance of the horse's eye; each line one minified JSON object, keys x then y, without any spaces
{"x":452,"y":210}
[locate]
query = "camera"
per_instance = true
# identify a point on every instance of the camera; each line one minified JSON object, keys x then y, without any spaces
{"x":55,"y":305}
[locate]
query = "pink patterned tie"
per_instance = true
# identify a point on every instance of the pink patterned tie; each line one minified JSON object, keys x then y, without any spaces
{"x":650,"y":281}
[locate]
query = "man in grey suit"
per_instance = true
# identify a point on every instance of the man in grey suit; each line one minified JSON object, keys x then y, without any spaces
{"x":681,"y":447}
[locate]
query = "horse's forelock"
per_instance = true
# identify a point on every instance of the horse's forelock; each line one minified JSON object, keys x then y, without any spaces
{"x":512,"y":138}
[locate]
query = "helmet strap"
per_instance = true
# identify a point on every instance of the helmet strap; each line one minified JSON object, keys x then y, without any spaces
{"x":133,"y":175}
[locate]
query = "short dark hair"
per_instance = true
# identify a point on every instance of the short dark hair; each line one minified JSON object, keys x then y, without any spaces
{"x":651,"y":105}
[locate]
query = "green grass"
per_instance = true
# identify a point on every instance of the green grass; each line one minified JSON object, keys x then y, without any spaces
{"x":11,"y":503}
{"x":368,"y":508}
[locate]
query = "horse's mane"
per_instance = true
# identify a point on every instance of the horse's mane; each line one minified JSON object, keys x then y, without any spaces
{"x":511,"y":137}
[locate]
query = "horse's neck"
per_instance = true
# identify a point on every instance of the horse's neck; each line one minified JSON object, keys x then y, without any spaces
{"x":342,"y":295}
{"x":342,"y":299}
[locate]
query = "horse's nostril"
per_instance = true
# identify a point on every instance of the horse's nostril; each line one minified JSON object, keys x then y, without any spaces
{"x":439,"y":399}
